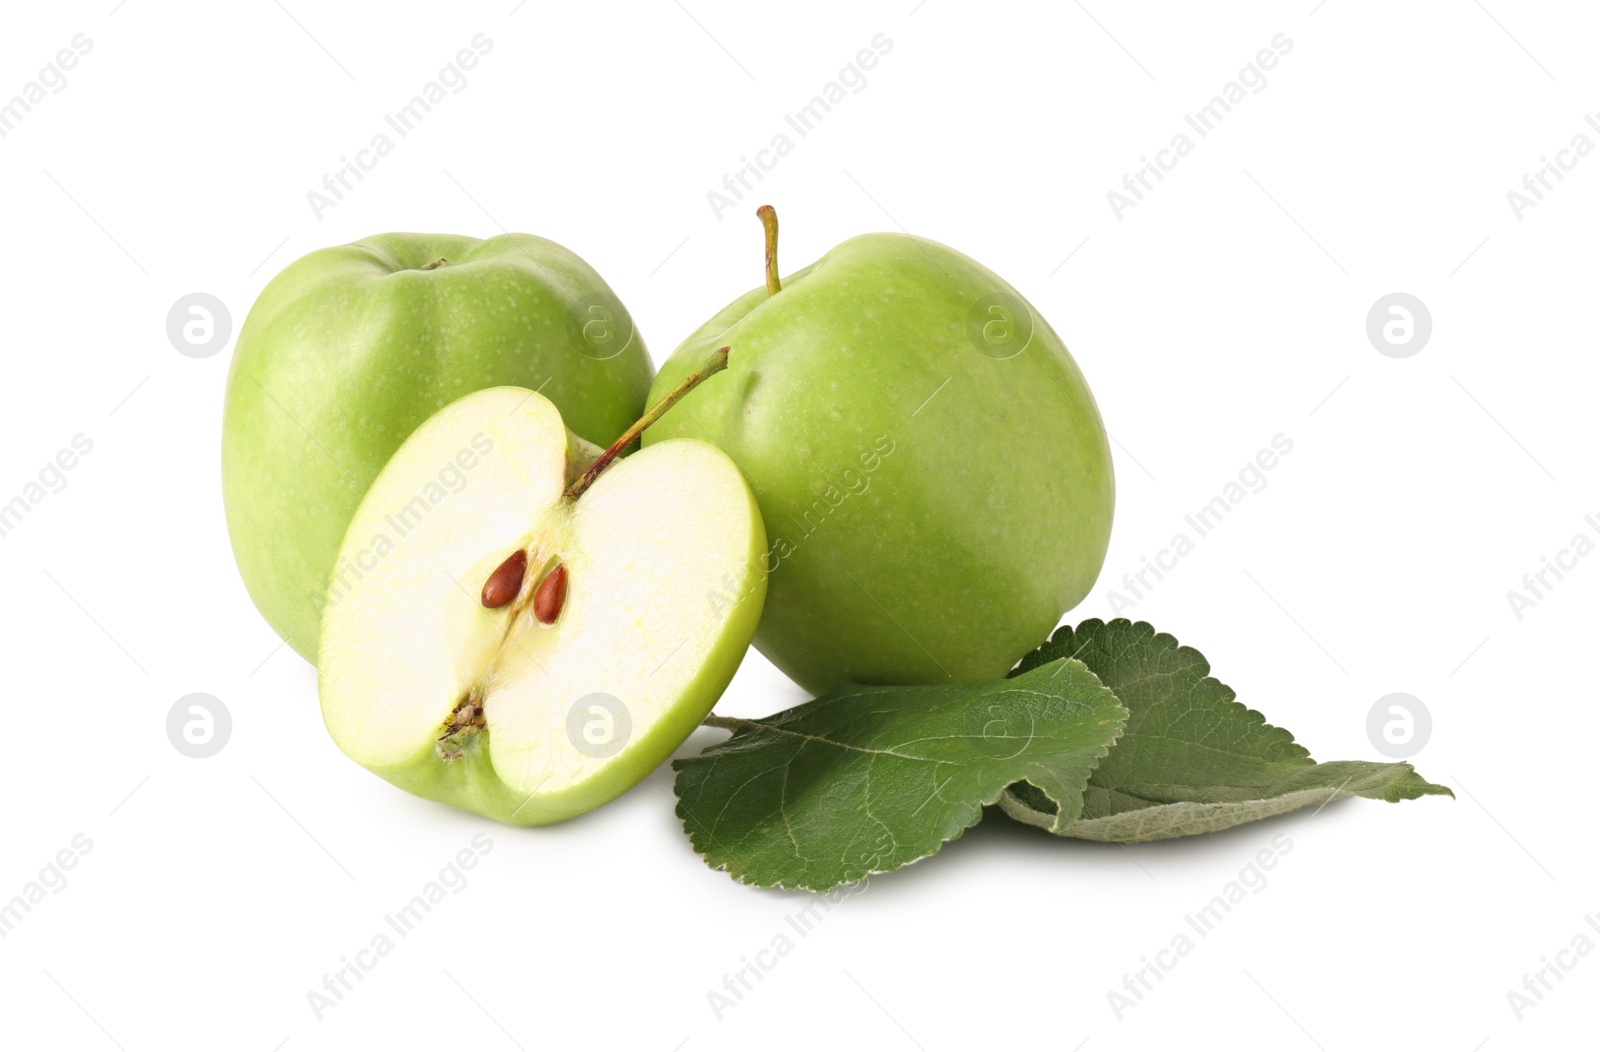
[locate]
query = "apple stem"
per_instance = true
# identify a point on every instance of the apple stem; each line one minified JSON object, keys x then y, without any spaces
{"x":726,"y":723}
{"x":441,"y":261}
{"x":714,"y":364}
{"x":769,"y":222}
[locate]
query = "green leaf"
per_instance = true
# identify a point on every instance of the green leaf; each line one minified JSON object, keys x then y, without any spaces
{"x":865,"y":780}
{"x":1192,"y":759}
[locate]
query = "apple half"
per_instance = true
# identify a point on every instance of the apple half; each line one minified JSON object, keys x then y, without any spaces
{"x":523,"y":626}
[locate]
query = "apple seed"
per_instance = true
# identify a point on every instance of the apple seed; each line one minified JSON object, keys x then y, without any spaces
{"x":551,"y":595}
{"x":506,"y":581}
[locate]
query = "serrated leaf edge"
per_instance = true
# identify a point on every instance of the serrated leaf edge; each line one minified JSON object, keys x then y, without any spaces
{"x":724,"y":867}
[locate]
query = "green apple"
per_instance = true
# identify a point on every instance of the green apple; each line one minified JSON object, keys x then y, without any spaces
{"x":932,"y":469}
{"x":547,"y":633}
{"x":350,"y":348}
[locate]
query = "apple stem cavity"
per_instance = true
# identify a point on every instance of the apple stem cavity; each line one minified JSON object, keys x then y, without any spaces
{"x":769,"y":222}
{"x":715,"y":363}
{"x":463,"y":724}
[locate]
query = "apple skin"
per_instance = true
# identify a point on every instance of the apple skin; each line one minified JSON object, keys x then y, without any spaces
{"x":350,"y":348}
{"x":934,"y":475}
{"x":472,"y":784}
{"x":650,"y":542}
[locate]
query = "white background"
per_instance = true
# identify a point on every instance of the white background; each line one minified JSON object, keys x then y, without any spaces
{"x":1227,"y":307}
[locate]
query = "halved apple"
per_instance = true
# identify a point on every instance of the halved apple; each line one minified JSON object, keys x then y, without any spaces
{"x":525,"y":627}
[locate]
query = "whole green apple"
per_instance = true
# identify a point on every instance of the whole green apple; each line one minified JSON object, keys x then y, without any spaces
{"x":931,"y":467}
{"x":351,"y":348}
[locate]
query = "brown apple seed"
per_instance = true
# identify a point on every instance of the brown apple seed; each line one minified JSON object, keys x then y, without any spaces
{"x":550,"y":596}
{"x":506,"y":581}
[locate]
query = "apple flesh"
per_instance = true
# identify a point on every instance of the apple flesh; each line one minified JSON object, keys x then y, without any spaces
{"x":350,"y":348}
{"x":932,"y":470}
{"x":489,"y":707}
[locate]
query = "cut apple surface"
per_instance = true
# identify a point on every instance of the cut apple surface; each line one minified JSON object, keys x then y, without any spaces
{"x":537,"y":699}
